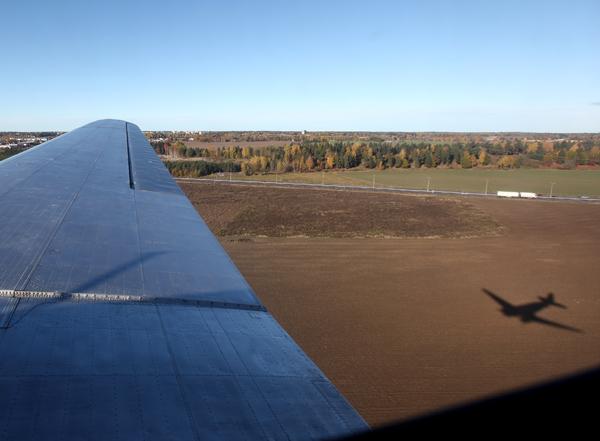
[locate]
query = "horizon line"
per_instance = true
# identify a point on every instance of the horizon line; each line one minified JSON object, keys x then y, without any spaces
{"x":470,"y":132}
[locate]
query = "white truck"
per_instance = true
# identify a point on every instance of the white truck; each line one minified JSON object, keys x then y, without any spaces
{"x":516,"y":194}
{"x":508,"y":194}
{"x":528,"y":195}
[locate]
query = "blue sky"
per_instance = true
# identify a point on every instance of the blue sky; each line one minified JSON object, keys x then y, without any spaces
{"x":314,"y":65}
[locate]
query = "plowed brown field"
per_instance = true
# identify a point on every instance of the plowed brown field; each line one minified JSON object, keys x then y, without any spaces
{"x":402,"y":326}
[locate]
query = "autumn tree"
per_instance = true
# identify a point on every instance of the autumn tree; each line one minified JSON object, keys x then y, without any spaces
{"x":466,"y":161}
{"x":484,"y":158}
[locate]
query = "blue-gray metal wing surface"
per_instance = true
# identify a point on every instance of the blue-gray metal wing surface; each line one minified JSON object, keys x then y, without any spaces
{"x":123,"y":318}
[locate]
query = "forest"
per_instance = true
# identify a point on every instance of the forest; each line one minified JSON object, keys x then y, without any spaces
{"x":196,"y":169}
{"x":7,"y":153}
{"x":324,"y":154}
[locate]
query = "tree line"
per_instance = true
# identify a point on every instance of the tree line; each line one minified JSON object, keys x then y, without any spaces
{"x":331,"y":154}
{"x":197,"y":169}
{"x":7,"y":153}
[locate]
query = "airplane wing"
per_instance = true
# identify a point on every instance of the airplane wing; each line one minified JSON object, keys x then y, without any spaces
{"x":498,"y":299}
{"x":123,"y":318}
{"x":537,"y":319}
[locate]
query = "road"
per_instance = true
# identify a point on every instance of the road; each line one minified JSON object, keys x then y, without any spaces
{"x":379,"y":189}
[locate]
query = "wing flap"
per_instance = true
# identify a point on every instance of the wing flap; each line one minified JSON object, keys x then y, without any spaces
{"x":157,"y":368}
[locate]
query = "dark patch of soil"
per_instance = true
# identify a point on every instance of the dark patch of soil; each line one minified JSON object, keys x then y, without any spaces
{"x":233,"y":210}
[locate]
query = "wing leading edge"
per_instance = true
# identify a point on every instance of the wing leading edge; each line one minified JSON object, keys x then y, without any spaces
{"x":122,"y":316}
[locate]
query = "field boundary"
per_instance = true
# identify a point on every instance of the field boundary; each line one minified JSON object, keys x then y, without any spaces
{"x":379,"y":189}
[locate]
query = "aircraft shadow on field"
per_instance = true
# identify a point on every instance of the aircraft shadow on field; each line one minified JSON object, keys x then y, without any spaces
{"x":527,"y":312}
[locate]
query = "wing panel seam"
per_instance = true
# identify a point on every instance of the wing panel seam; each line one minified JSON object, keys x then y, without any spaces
{"x":126,"y":298}
{"x":178,"y":379}
{"x":26,"y":275}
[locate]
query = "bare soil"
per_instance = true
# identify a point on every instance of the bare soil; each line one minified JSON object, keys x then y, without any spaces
{"x":233,"y":210}
{"x":402,"y":327}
